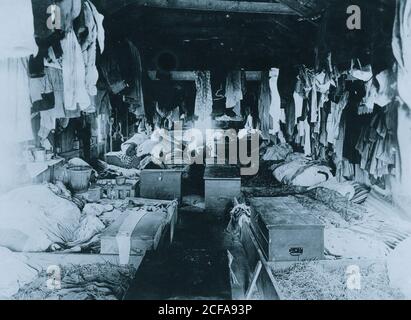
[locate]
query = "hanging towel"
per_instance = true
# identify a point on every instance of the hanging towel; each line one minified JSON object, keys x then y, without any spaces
{"x":17,"y":29}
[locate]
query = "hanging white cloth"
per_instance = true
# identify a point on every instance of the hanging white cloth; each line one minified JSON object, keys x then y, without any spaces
{"x":17,"y":29}
{"x":275,"y":106}
{"x":94,"y":24}
{"x":204,"y":99}
{"x":74,"y":74}
{"x":233,"y":91}
{"x":15,"y":103}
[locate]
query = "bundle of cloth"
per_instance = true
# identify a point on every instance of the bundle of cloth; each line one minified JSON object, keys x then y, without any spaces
{"x":42,"y":218}
{"x":297,"y":170}
{"x":277,"y":152}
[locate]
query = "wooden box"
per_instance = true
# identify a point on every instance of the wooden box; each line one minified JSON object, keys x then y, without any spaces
{"x":147,"y":231}
{"x":222,"y":184}
{"x":285,"y":230}
{"x":164,"y":184}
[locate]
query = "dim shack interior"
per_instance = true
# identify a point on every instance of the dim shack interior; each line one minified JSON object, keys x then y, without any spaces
{"x":190,"y":149}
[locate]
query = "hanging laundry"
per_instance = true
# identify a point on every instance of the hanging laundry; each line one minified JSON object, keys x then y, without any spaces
{"x":298,"y":96}
{"x":134,"y":95}
{"x":93,"y":25}
{"x":358,"y":72}
{"x":233,"y":91}
{"x":307,"y":138}
{"x":334,"y":118}
{"x":402,"y":48}
{"x":15,"y":103}
{"x":377,"y":145}
{"x":69,"y":10}
{"x":41,"y":94}
{"x":75,"y":92}
{"x":204,"y":97}
{"x":17,"y":35}
{"x":53,"y":83}
{"x":275,"y":106}
{"x":110,"y":68}
{"x":387,"y":86}
{"x":367,"y":104}
{"x":264,"y":103}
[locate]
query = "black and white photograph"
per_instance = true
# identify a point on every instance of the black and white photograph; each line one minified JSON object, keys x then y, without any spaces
{"x":205,"y":150}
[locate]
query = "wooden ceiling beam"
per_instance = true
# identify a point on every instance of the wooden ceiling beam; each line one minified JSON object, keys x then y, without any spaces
{"x":276,"y":8}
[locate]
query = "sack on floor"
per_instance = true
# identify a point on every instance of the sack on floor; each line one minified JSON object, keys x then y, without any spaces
{"x":33,"y":217}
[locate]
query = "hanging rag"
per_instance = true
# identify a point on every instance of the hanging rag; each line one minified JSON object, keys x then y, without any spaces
{"x":15,"y":103}
{"x":367,"y":104}
{"x":276,"y":113}
{"x":53,"y":83}
{"x":334,"y":118}
{"x":204,"y":97}
{"x":358,"y":72}
{"x":307,"y":138}
{"x":401,"y":45}
{"x":264,"y":103}
{"x":93,"y":21}
{"x":387,"y":86}
{"x":298,"y":96}
{"x":134,"y":95}
{"x":74,"y":74}
{"x":233,"y":91}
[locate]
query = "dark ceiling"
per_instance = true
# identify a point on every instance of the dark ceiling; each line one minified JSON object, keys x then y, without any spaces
{"x":203,"y":34}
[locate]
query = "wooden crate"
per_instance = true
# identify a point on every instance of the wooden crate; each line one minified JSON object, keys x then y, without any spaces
{"x":164,"y":184}
{"x":222,"y":184}
{"x":147,"y":232}
{"x":285,"y":230}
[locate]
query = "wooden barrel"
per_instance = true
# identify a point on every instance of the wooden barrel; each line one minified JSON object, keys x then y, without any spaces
{"x":79,"y":178}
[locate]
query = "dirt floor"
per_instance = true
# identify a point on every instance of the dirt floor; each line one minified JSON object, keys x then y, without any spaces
{"x":195,"y":266}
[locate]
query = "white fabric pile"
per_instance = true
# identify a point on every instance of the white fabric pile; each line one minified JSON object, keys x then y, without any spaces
{"x":35,"y":219}
{"x":32,"y":218}
{"x":301,"y":172}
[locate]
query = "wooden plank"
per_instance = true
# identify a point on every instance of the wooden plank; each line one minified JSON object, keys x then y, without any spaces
{"x":111,"y":6}
{"x":270,"y":291}
{"x":190,"y":75}
{"x":256,"y":274}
